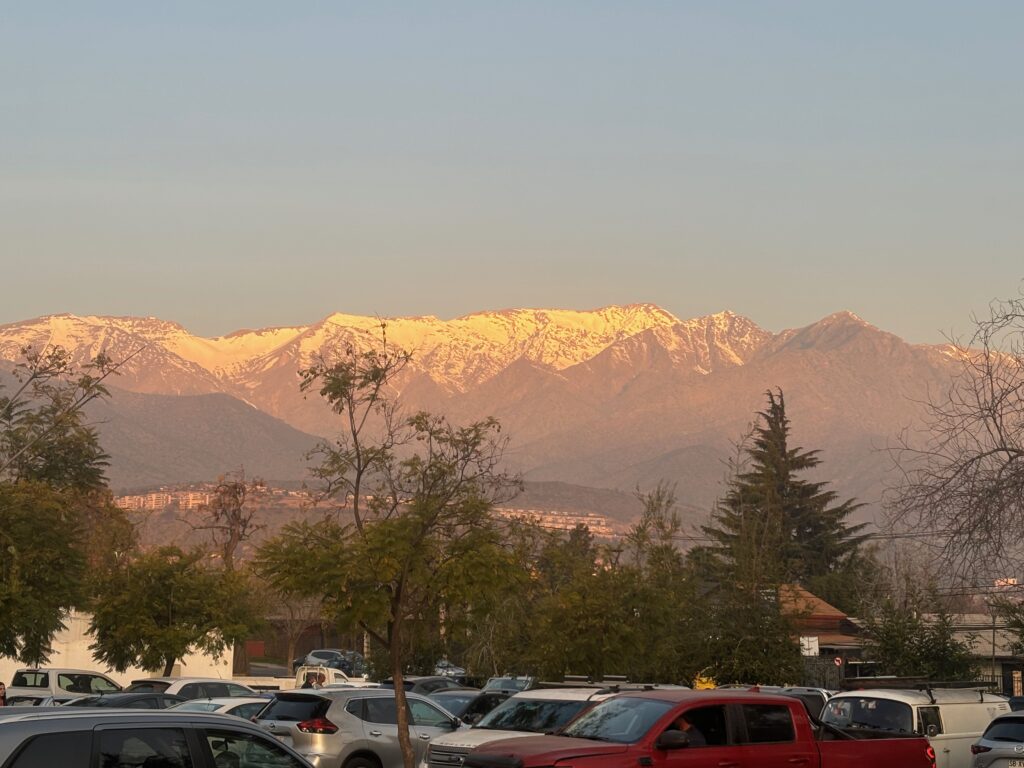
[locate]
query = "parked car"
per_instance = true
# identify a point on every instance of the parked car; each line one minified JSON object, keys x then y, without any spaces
{"x":69,"y":738}
{"x":952,"y":719}
{"x":510,"y":683}
{"x":352,"y":727}
{"x":544,"y":710}
{"x":37,"y":683}
{"x":701,"y":729}
{"x":127,"y":701}
{"x":350,"y":662}
{"x":425,"y":684}
{"x":245,"y":707}
{"x":447,"y":669}
{"x":1002,"y":743}
{"x":190,"y":687}
{"x":330,"y":676}
{"x":469,"y":704}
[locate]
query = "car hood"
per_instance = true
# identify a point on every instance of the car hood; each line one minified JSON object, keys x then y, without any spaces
{"x":468,"y":738}
{"x":538,"y":750}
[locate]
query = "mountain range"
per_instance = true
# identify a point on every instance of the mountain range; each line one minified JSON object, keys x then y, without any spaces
{"x":595,"y":403}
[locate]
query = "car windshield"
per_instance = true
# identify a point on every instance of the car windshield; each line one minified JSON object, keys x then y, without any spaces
{"x":869,"y":712}
{"x":455,"y":703}
{"x":535,"y":715}
{"x":622,"y":720}
{"x":1009,"y":729}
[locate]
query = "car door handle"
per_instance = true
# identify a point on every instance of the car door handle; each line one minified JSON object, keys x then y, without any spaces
{"x":798,"y":761}
{"x":376,"y":733}
{"x":728,"y":764}
{"x":425,"y":736}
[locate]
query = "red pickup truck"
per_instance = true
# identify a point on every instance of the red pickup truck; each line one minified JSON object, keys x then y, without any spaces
{"x":701,"y":729}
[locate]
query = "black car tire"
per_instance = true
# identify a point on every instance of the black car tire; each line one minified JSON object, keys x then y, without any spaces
{"x":361,"y":762}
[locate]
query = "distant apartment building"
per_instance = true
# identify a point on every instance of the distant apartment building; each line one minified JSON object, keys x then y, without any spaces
{"x":159,"y":500}
{"x":560,"y":521}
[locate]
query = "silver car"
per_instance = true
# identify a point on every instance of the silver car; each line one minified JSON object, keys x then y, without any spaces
{"x":1002,"y":743}
{"x":352,"y":727}
{"x":32,"y":737}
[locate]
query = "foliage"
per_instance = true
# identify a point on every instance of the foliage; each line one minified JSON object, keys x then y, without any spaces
{"x":419,"y":493}
{"x":42,"y":568}
{"x":159,"y":606}
{"x":791,"y":527}
{"x":54,"y":507}
{"x":907,"y":642}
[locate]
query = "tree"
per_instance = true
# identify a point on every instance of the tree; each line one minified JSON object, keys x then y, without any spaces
{"x":906,"y":641}
{"x":160,"y":606}
{"x":962,"y":470}
{"x":230,"y":516}
{"x":417,"y":495}
{"x":792,"y":526}
{"x":53,"y":497}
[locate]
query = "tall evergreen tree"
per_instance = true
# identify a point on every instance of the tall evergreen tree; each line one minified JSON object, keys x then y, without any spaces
{"x":792,"y":526}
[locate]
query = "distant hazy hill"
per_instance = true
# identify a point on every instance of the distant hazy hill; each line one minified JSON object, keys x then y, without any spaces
{"x":608,"y":399}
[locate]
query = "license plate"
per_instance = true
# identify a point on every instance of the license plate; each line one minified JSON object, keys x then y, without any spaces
{"x":1015,"y":764}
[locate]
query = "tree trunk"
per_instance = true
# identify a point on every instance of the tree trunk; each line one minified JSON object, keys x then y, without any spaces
{"x":401,"y":707}
{"x":169,"y":665}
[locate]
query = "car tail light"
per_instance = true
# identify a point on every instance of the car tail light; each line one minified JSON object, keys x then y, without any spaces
{"x":931,"y":754}
{"x":317,"y":725}
{"x":977,"y":749}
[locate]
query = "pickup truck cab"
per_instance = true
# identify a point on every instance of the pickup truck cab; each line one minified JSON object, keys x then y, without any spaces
{"x":701,"y":729}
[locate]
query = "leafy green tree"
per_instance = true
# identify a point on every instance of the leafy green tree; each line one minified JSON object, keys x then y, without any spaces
{"x":159,"y":606}
{"x":793,"y":526}
{"x":907,"y":641}
{"x":42,"y":568}
{"x":53,"y":497}
{"x":413,"y":530}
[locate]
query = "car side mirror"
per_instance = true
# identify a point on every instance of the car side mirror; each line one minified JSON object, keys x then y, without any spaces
{"x":672,"y":739}
{"x":932,"y":731}
{"x":470,"y":719}
{"x":455,"y":723}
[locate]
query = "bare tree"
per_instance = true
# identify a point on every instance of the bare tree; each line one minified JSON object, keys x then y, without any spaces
{"x":962,"y":474}
{"x":230,"y":516}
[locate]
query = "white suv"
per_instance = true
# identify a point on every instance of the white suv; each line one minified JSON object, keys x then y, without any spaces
{"x":33,"y":685}
{"x":541,"y":710}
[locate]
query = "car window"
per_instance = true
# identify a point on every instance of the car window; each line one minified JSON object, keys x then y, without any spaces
{"x":238,"y":690}
{"x":295,"y":709}
{"x":216,"y":691}
{"x":67,"y":750}
{"x":192,"y":691}
{"x":146,"y":703}
{"x":144,"y":748}
{"x":869,"y":712}
{"x":928,"y":716}
{"x":31,"y":680}
{"x":100,"y":684}
{"x":247,"y":750}
{"x":74,"y":683}
{"x":768,"y":723}
{"x":380,"y":710}
{"x":247,"y":710}
{"x":706,"y":726}
{"x":198,"y":706}
{"x":1008,"y":729}
{"x":428,"y":716}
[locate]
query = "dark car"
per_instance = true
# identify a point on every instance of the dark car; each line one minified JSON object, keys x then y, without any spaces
{"x":128,"y":701}
{"x":426,"y":684}
{"x":469,"y":704}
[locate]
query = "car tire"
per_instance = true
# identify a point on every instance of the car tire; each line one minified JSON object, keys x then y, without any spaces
{"x":361,"y":762}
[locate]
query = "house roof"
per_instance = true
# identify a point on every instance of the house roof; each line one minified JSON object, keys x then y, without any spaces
{"x":797,"y":602}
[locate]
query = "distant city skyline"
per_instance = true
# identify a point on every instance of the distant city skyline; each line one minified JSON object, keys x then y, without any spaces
{"x":253,"y":164}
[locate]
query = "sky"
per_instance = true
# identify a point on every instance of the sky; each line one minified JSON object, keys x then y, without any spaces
{"x":245,"y":164}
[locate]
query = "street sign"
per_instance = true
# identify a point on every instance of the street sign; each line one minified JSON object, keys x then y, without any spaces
{"x":838,"y":661}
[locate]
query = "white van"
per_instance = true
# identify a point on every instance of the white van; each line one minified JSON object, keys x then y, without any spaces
{"x":951,"y":718}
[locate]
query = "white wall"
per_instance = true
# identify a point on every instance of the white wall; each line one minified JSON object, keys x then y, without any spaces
{"x":71,"y":650}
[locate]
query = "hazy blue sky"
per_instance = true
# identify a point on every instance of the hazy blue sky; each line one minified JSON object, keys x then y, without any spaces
{"x":237,"y":164}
